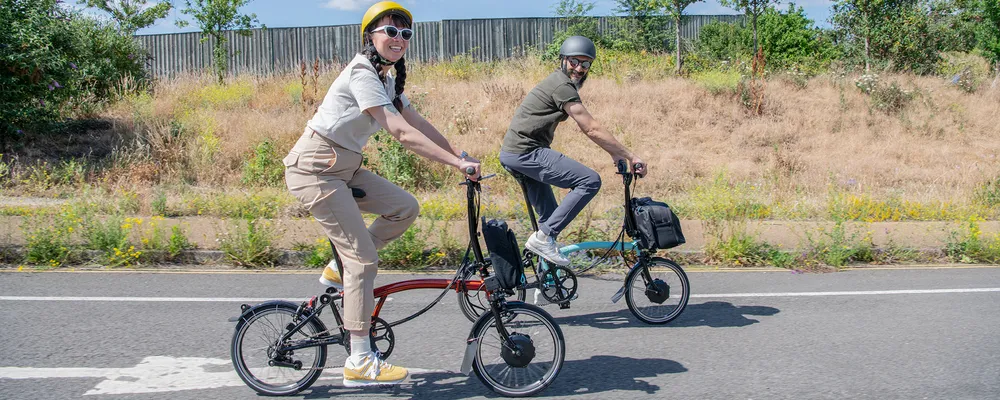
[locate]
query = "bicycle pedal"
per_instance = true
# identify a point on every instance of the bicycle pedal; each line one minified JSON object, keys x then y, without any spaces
{"x":564,"y":306}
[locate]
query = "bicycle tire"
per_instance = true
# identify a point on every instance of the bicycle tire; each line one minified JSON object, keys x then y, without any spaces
{"x":253,"y":318}
{"x":540,"y":344}
{"x":656,"y":314}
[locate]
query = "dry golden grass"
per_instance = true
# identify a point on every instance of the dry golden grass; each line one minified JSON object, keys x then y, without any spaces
{"x":941,"y":148}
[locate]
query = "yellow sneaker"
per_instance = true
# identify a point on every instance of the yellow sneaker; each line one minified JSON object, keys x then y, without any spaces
{"x":372,"y":371}
{"x":331,"y":277}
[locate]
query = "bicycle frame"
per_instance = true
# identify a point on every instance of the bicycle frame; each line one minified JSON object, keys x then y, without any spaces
{"x":382,"y":293}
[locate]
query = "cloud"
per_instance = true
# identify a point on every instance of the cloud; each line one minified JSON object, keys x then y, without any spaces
{"x":349,"y":5}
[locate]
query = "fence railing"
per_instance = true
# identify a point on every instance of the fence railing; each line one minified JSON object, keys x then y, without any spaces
{"x":280,"y":50}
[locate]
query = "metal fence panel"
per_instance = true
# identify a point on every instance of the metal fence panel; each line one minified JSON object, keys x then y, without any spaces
{"x":282,"y":50}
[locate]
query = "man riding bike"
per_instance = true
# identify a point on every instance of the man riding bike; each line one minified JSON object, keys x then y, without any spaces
{"x":526,"y":147}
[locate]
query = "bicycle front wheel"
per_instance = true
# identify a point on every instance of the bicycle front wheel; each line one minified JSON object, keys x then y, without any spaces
{"x":528,"y":361}
{"x":657,"y":292}
{"x":256,"y":356}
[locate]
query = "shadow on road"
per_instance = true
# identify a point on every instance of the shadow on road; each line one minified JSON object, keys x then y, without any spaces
{"x":595,"y":375}
{"x":715,"y":314}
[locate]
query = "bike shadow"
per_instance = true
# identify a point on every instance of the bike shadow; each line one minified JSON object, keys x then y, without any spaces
{"x":714,"y":314}
{"x":597,"y":374}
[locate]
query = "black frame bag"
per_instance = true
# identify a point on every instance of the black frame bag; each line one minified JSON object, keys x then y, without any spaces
{"x":504,"y":253}
{"x":657,"y":225}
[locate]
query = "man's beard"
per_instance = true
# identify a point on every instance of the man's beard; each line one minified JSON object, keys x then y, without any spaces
{"x":578,"y":82}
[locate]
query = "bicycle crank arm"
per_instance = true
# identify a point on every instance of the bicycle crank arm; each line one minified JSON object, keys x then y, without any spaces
{"x":470,"y":355}
{"x":618,"y":296}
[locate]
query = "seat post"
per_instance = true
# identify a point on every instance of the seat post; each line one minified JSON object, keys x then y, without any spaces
{"x":527,"y":203}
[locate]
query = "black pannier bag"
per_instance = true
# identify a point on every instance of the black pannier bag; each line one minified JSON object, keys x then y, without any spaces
{"x":504,"y":253}
{"x":657,"y":225}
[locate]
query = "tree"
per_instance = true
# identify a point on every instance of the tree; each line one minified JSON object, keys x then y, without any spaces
{"x":215,"y":17}
{"x":131,"y":15}
{"x":752,"y":8}
{"x":989,"y":32}
{"x":675,"y":10}
{"x":643,"y":27}
{"x":578,"y":24}
{"x":57,"y":63}
{"x":862,"y":19}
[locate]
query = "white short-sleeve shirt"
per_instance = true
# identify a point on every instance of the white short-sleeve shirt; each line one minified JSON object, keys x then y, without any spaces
{"x":341,"y":116}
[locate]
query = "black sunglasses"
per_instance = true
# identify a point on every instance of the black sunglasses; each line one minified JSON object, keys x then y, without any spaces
{"x":573,"y":62}
{"x":392,"y":31}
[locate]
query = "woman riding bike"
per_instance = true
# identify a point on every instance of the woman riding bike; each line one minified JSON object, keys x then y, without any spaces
{"x":325,"y":165}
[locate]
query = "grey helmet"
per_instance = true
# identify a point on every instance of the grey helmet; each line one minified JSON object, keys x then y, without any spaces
{"x":578,"y":46}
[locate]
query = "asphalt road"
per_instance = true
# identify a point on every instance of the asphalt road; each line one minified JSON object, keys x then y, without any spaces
{"x":860,"y":334}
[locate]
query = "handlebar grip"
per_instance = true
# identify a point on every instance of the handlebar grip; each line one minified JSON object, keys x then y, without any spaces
{"x":470,"y":170}
{"x":637,"y":166}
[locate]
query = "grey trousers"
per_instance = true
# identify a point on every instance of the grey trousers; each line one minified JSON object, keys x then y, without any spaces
{"x":544,"y":167}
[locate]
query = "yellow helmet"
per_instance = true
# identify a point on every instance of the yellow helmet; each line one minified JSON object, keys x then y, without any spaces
{"x":381,"y":8}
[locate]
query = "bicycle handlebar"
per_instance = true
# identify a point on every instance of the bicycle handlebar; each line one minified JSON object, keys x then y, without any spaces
{"x":481,"y":178}
{"x":623,"y":168}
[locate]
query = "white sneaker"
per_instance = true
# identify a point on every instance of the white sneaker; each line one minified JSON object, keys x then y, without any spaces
{"x":372,"y":371}
{"x":545,"y":246}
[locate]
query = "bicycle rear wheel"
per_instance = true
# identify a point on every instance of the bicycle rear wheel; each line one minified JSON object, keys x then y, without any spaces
{"x":657,"y":292}
{"x":533,"y":363}
{"x":255,"y":351}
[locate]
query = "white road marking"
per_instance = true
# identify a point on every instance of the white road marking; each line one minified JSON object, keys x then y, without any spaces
{"x":849,"y":293}
{"x":699,"y":296}
{"x":159,"y":374}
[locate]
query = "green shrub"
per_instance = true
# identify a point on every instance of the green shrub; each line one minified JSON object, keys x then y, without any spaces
{"x":159,"y":203}
{"x":48,"y":237}
{"x":409,"y":251}
{"x":988,"y":194}
{"x":264,"y":167}
{"x":399,"y":165}
{"x":319,"y":254}
{"x":178,"y":242}
{"x":718,"y":82}
{"x":59,"y":62}
{"x":250,"y":243}
{"x":891,"y":99}
{"x":743,"y":249}
{"x":969,"y":245}
{"x":838,"y":247}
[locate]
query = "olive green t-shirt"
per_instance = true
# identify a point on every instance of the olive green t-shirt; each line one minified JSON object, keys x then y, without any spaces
{"x":534,"y":123}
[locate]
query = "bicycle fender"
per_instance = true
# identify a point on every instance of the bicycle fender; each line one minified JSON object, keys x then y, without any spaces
{"x":471,"y":346}
{"x":253,"y":310}
{"x":592,"y":246}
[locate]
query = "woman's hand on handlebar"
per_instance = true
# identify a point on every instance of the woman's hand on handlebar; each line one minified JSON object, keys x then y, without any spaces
{"x":469,"y":168}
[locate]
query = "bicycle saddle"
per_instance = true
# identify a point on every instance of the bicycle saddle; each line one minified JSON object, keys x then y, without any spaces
{"x":515,"y":174}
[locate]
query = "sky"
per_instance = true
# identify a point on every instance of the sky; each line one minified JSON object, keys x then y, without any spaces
{"x":297,"y":13}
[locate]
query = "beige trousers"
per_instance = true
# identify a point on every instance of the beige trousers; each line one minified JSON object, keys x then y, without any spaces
{"x":321,"y":174}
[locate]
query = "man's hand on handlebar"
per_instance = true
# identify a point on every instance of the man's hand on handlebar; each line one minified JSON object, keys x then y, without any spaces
{"x":638,"y":167}
{"x":470,"y":169}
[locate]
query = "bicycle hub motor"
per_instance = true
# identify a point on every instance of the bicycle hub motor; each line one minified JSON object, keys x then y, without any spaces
{"x":657,"y":291}
{"x":521,"y":353}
